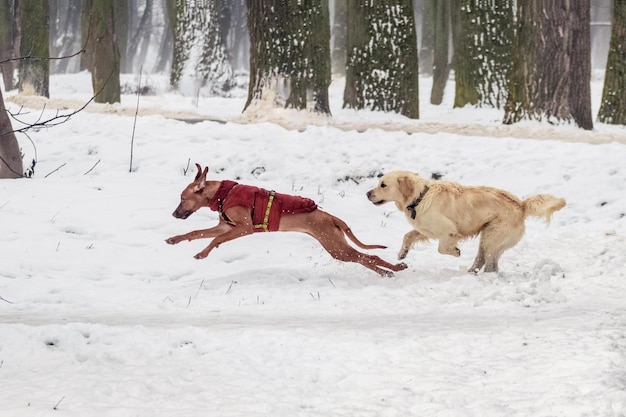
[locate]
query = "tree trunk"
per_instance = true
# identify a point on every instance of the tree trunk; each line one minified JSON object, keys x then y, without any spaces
{"x":138,"y":43}
{"x":105,"y":57}
{"x":234,"y":32}
{"x":580,"y":75}
{"x":428,"y":47}
{"x":551,"y":80}
{"x":441,"y":61}
{"x":65,"y":18}
{"x":383,"y":67}
{"x":122,"y":11}
{"x":338,"y":38}
{"x":7,"y":36}
{"x":291,"y":41}
{"x":613,"y":107}
{"x":10,"y":155}
{"x":167,"y":42}
{"x":199,"y":50}
{"x":85,"y":36}
{"x":483,"y":40}
{"x":34,"y":68}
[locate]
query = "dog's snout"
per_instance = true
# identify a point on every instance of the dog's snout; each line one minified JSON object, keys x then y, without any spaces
{"x":181,"y":214}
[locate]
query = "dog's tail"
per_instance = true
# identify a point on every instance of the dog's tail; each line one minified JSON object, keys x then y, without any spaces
{"x":542,"y":205}
{"x":346,"y":230}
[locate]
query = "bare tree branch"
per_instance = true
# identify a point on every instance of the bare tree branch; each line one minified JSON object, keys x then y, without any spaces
{"x":49,"y":58}
{"x":56,"y":120}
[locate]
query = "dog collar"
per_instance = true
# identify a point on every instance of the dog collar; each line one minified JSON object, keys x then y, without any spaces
{"x":411,"y":207}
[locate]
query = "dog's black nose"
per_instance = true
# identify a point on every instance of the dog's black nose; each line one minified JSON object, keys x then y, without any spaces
{"x":181,"y":214}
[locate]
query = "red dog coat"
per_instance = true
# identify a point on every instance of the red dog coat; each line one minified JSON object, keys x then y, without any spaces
{"x":267,"y":206}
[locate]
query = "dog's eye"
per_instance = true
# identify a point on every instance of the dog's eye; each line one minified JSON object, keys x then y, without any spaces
{"x":383,"y":185}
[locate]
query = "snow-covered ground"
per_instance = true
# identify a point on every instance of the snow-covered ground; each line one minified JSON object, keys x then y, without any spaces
{"x":99,"y":317}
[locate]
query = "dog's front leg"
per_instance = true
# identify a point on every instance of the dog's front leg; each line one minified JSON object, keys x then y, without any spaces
{"x":447,"y":245}
{"x":232,"y":234}
{"x":409,"y":240}
{"x":241,"y":219}
{"x":221,"y":228}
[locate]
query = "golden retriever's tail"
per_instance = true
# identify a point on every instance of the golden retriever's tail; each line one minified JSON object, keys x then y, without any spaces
{"x":346,"y":230}
{"x":542,"y":205}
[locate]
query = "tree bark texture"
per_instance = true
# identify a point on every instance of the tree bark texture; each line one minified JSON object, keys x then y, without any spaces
{"x":551,"y":73}
{"x":10,"y":156}
{"x":290,"y":41}
{"x":429,"y":28}
{"x":613,"y":106}
{"x":235,"y":33}
{"x":122,"y":12}
{"x":483,"y":41}
{"x":34,"y":67}
{"x":105,"y":57}
{"x":199,"y":47}
{"x":339,"y":38}
{"x":382,"y":70}
{"x":441,"y":62}
{"x":7,"y":36}
{"x":65,"y":18}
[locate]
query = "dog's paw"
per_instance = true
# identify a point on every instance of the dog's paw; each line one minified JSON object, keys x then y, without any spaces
{"x":402,"y":254}
{"x":200,"y":255}
{"x":173,"y":240}
{"x":402,"y":266}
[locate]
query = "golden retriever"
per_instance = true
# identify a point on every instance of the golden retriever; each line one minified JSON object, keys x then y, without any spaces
{"x":449,"y":212}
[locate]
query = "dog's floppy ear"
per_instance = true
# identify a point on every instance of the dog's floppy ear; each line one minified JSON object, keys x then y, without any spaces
{"x":405,"y":185}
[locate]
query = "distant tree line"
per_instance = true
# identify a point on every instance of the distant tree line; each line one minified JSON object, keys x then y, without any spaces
{"x":530,"y":58}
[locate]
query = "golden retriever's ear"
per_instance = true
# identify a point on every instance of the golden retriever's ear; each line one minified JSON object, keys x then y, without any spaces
{"x":405,"y":185}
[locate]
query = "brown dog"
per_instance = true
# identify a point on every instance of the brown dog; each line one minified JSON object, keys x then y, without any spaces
{"x":449,"y":212}
{"x":245,"y":209}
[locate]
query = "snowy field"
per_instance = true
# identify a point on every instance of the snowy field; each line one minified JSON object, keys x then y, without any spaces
{"x":99,"y":317}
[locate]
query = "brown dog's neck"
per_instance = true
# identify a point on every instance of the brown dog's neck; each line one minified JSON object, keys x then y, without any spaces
{"x":210,"y":188}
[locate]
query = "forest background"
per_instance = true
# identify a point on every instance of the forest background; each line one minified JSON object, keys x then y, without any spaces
{"x":529,"y":58}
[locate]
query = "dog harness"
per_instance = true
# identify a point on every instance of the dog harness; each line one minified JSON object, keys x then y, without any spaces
{"x":267,"y":207}
{"x":268,"y":210}
{"x":411,"y":207}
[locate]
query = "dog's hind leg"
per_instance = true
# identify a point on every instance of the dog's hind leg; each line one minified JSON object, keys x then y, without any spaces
{"x":497,"y":238}
{"x":479,"y":262}
{"x":332,"y":238}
